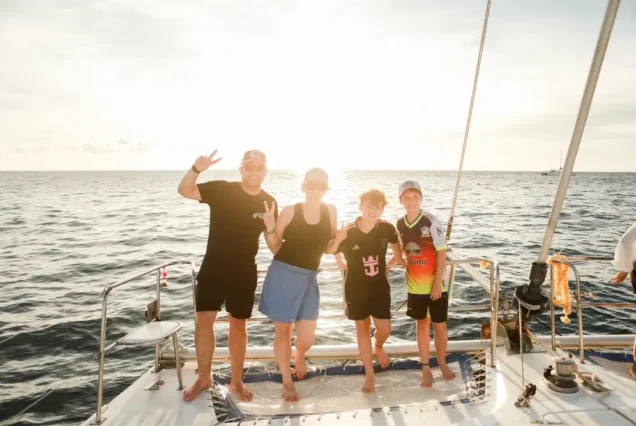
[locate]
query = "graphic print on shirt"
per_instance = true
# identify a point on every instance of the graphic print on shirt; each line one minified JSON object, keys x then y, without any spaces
{"x":371,"y":266}
{"x":421,"y":240}
{"x":413,"y":249}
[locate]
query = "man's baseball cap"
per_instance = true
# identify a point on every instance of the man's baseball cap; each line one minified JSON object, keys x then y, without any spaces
{"x":317,"y":175}
{"x":410,"y":184}
{"x":253,"y":155}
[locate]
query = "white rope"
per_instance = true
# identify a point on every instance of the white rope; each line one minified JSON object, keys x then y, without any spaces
{"x":470,"y":115}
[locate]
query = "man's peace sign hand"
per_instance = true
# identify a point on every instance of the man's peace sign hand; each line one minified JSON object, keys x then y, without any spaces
{"x":204,"y":162}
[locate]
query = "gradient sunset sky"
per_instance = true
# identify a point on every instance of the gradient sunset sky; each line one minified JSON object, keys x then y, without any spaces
{"x":343,"y":84}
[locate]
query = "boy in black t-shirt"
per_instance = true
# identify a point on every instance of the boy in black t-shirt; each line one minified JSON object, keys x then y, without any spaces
{"x":367,"y":291}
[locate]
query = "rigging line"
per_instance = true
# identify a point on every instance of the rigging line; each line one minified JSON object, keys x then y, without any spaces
{"x":9,"y":338}
{"x":547,"y":326}
{"x":470,"y":115}
{"x":17,"y":416}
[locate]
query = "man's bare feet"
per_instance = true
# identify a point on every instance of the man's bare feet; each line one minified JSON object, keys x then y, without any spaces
{"x":382,"y":357}
{"x":632,"y":371}
{"x":289,"y":393}
{"x":427,"y":377}
{"x":189,"y":394}
{"x":369,"y":384}
{"x":446,"y":372}
{"x":301,"y":367}
{"x":242,"y":391}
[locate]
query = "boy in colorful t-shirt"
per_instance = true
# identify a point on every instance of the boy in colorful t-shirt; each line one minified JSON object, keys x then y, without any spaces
{"x":367,"y":291}
{"x":422,"y":238}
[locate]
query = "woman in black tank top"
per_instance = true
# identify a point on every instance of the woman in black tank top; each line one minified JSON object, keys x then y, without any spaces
{"x":290,"y":291}
{"x":304,"y":243}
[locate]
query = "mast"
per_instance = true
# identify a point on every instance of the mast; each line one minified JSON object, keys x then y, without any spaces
{"x":530,"y":295}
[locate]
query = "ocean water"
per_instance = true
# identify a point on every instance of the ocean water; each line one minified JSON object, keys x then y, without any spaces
{"x":65,"y":235}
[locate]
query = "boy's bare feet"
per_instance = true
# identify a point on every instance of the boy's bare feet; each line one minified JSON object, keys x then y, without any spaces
{"x":632,"y":371}
{"x":289,"y":393}
{"x":427,"y":377}
{"x":382,"y":357}
{"x":369,"y":384}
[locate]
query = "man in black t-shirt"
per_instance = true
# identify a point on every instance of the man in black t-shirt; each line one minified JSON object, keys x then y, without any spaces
{"x":367,"y":291}
{"x":228,"y":271}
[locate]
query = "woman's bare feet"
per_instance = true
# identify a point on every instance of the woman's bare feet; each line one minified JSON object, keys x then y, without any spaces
{"x":289,"y":393}
{"x":382,"y":357}
{"x":427,"y":377}
{"x":242,"y":391}
{"x":632,"y":371}
{"x":189,"y":394}
{"x":301,"y":367}
{"x":369,"y":384}
{"x":446,"y":372}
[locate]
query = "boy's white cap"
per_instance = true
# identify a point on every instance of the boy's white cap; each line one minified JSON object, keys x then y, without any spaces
{"x":410,"y":184}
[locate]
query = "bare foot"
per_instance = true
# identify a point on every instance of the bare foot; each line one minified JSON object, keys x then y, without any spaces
{"x":427,"y":377}
{"x":301,"y":367}
{"x":446,"y":372}
{"x":382,"y":357}
{"x":369,"y":384}
{"x":189,"y":394}
{"x":632,"y":371}
{"x":242,"y":391}
{"x":289,"y":393}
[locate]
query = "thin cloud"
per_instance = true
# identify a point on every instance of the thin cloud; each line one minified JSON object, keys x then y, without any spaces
{"x":95,"y":149}
{"x":121,"y":146}
{"x":142,"y":147}
{"x":372,"y":74}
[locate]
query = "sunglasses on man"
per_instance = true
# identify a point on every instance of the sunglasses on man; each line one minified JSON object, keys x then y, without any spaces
{"x":260,"y":168}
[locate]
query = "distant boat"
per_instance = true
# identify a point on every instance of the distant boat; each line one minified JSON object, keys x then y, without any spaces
{"x":552,"y":172}
{"x":555,"y":172}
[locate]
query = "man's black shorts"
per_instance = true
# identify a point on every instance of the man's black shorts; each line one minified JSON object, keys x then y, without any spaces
{"x":365,"y":302}
{"x":419,"y":306}
{"x":235,"y":290}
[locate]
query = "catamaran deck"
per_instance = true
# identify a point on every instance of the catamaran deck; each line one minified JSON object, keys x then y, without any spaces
{"x":491,"y":375}
{"x":399,"y":395}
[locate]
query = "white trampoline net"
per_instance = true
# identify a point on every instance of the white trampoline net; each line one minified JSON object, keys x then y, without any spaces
{"x":331,"y":391}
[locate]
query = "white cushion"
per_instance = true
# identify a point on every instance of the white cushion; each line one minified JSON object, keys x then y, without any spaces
{"x":151,"y":333}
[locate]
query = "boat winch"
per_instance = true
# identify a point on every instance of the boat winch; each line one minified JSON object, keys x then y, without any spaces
{"x":565,"y":378}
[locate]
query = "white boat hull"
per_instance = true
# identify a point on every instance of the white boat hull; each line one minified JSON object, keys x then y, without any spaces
{"x":165,"y":406}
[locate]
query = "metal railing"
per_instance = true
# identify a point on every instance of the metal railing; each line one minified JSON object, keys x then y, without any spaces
{"x":102,"y":343}
{"x":579,"y":305}
{"x":494,"y":280}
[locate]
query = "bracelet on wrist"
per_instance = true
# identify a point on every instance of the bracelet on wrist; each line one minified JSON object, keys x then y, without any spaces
{"x":270,"y":233}
{"x":194,"y":169}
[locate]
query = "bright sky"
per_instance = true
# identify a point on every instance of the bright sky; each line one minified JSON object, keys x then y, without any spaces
{"x":349,"y":84}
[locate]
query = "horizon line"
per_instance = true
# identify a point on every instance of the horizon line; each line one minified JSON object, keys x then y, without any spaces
{"x":294,"y":170}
